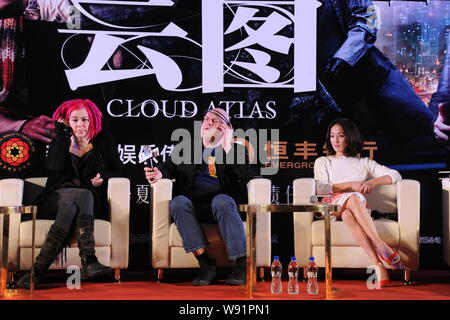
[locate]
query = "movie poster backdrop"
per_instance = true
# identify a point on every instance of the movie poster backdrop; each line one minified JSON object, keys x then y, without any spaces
{"x":156,"y":66}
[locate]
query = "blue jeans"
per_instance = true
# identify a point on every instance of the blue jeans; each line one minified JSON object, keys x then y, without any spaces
{"x":226,"y":215}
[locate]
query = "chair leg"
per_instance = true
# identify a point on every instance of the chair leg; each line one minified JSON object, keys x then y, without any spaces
{"x":407,"y":278}
{"x":261,"y":274}
{"x":11,"y":284}
{"x":160,"y":274}
{"x":117,"y":275}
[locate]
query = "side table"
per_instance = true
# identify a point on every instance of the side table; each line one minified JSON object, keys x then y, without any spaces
{"x":5,"y":213}
{"x":253,"y":209}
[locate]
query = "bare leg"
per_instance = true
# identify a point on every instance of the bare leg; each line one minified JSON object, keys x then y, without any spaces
{"x":358,"y":234}
{"x":363,"y":240}
{"x":366,"y":223}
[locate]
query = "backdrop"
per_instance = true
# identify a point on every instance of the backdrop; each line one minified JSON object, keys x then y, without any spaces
{"x":156,"y":66}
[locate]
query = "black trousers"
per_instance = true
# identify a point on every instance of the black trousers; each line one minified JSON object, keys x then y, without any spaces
{"x":63,"y":205}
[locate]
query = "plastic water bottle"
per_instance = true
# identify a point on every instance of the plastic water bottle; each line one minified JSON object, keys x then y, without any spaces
{"x":293,"y":274}
{"x":312,"y":286}
{"x":276,"y":270}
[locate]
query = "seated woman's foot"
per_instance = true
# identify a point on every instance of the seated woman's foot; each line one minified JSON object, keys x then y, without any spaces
{"x":92,"y":269}
{"x":389,"y":258}
{"x":382,"y":275}
{"x":25,"y":281}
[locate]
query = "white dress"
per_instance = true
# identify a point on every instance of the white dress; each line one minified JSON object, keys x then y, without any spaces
{"x":332,"y":170}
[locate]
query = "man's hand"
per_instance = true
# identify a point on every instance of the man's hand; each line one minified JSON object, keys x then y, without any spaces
{"x":441,"y":129}
{"x":152,"y":174}
{"x":97,"y":180}
{"x":41,"y":128}
{"x":227,"y":136}
{"x":337,"y":67}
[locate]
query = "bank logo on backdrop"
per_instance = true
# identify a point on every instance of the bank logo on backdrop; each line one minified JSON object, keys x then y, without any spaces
{"x":16,"y":151}
{"x":244,"y":44}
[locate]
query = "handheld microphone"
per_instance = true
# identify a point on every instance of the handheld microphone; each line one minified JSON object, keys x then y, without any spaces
{"x":147,"y":153}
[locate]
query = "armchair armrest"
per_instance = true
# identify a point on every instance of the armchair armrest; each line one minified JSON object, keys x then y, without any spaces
{"x":161,"y":195}
{"x":11,"y":193}
{"x":119,"y":206}
{"x":408,"y":209}
{"x":304,"y":188}
{"x":259,"y":193}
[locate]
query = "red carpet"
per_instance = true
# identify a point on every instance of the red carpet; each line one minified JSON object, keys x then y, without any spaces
{"x":427,"y":285}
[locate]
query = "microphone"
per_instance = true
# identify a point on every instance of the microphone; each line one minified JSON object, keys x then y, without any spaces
{"x":147,"y":153}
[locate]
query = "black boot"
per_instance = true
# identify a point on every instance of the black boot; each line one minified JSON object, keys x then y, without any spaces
{"x":239,"y":273}
{"x":53,"y":244}
{"x":207,"y":270}
{"x":84,"y":230}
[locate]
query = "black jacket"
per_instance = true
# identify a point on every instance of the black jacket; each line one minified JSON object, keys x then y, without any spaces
{"x":104,"y":160}
{"x":233,"y":177}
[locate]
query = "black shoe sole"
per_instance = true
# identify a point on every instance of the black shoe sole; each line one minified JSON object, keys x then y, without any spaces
{"x":97,"y":274}
{"x":235,"y":282}
{"x":201,"y":284}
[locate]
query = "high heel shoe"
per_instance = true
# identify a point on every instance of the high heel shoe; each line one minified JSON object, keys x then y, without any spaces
{"x":385,"y":283}
{"x":392,"y":262}
{"x":381,"y":283}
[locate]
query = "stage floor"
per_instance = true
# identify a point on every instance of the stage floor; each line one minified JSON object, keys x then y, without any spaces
{"x":427,"y":285}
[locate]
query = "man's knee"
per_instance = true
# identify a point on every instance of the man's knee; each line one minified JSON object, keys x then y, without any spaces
{"x":222,"y":201}
{"x":179,"y":204}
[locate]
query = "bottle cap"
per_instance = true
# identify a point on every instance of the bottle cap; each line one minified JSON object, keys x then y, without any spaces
{"x":311,"y":258}
{"x":293,"y":258}
{"x":276,"y":258}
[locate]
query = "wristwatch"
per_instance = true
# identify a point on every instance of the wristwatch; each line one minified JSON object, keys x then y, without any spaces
{"x":32,"y":11}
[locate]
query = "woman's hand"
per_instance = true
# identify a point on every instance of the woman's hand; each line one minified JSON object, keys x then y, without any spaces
{"x":356,"y":186}
{"x":63,"y":121}
{"x":97,"y":180}
{"x":367,"y":187}
{"x":152,"y":174}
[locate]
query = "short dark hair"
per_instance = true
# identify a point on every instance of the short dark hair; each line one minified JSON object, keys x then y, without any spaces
{"x":353,"y":138}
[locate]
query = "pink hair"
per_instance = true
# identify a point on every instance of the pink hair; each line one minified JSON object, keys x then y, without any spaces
{"x":95,"y":116}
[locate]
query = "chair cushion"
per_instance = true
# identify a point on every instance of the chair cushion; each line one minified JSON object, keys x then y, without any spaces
{"x":388,"y":230}
{"x":211,"y":231}
{"x":102,"y":233}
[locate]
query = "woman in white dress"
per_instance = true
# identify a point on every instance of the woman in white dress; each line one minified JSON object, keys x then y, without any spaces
{"x":346,"y":177}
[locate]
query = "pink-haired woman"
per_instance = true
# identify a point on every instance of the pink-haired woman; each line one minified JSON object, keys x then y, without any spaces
{"x":80,"y":161}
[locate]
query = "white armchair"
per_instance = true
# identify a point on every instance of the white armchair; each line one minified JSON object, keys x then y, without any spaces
{"x":446,"y":219}
{"x":402,"y":198}
{"x":167,"y":250}
{"x":111,"y":237}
